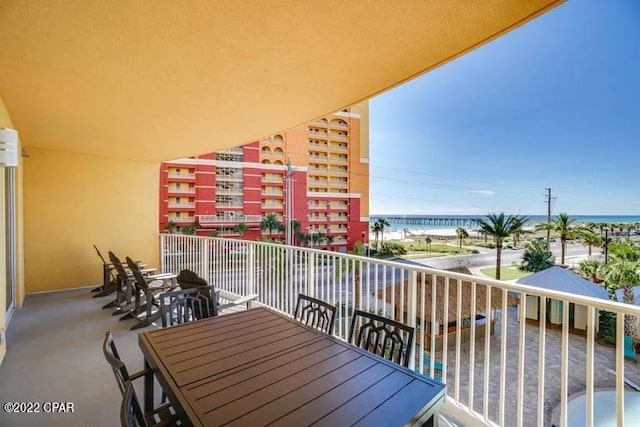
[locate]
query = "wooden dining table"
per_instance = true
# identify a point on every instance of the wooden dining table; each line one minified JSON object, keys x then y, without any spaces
{"x":258,"y":367}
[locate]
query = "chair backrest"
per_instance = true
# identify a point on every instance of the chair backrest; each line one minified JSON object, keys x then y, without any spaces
{"x":137,"y":274}
{"x":315,"y":313}
{"x":188,"y":279}
{"x":100,"y":255}
{"x":384,"y":337}
{"x":131,"y":414}
{"x":187,"y":305}
{"x":113,"y":358}
{"x":120,"y":271}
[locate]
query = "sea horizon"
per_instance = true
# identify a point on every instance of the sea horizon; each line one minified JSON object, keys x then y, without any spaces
{"x":411,"y":221}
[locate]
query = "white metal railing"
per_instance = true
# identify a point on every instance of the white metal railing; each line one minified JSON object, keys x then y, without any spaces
{"x":272,"y":179}
{"x":181,"y":205}
{"x":497,"y":368}
{"x":204,"y":219}
{"x":191,"y":190}
{"x":181,"y":175}
{"x":181,"y":219}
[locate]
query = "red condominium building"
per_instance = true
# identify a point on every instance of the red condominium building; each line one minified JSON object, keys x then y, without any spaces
{"x":324,"y":164}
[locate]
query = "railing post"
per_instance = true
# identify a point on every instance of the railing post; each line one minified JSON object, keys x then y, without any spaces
{"x":251,"y":269}
{"x":412,"y":301}
{"x":205,"y":259}
{"x":311,"y":274}
{"x":162,"y":254}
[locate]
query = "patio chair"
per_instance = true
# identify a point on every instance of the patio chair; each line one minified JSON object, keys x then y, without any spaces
{"x":187,"y":305}
{"x":124,"y":285}
{"x":385,"y":337}
{"x":131,"y":414}
{"x":315,"y":313}
{"x":223,"y":300}
{"x":108,"y":280}
{"x":149,"y":287}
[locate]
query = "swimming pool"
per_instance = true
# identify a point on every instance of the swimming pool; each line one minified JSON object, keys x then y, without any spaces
{"x":604,"y":409}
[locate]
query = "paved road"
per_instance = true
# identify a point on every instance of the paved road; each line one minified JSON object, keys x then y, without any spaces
{"x":487,"y":257}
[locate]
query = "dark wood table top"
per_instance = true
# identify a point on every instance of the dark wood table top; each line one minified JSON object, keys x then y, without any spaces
{"x":258,"y":367}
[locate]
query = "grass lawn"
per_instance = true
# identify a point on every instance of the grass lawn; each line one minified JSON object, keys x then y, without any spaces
{"x":417,"y":249}
{"x":510,"y":272}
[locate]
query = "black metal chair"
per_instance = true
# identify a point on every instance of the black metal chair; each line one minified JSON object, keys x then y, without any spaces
{"x":384,"y":337}
{"x":131,"y":414}
{"x":315,"y":313}
{"x":149,"y":287}
{"x":117,"y":365}
{"x":187,"y":305}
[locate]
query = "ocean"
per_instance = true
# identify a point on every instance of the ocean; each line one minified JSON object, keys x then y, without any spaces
{"x":415,"y":223}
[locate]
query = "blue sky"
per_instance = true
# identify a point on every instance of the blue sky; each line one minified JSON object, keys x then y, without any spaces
{"x":555,"y":103}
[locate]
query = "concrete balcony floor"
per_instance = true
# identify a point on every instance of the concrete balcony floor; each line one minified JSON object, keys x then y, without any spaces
{"x":55,"y":355}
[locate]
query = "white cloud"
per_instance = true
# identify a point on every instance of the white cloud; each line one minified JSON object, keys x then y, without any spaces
{"x":486,"y":193}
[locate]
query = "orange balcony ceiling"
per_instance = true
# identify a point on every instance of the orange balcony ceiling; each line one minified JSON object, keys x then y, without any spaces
{"x":131,"y":80}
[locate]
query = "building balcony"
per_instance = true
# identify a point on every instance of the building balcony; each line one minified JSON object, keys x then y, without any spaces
{"x":322,"y":135}
{"x":213,"y":219}
{"x":318,"y":219}
{"x":335,"y":207}
{"x":272,"y":193}
{"x":338,"y":148}
{"x":497,"y":389}
{"x":275,"y":180}
{"x":317,"y":147}
{"x":268,"y":206}
{"x":318,"y":207}
{"x":181,"y":175}
{"x":337,"y":136}
{"x":339,"y":159}
{"x":181,"y":219}
{"x":174,"y":190}
{"x":338,"y":219}
{"x":174,"y":205}
{"x":229,"y":205}
{"x":338,"y":125}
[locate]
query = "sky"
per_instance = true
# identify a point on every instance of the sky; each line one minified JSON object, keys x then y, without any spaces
{"x":554,"y":103}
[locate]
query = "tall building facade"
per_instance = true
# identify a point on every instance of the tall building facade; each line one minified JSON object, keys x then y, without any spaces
{"x":324,"y":164}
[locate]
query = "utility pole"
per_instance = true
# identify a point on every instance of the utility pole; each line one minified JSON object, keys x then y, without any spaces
{"x":548,"y":215}
{"x":289,"y":202}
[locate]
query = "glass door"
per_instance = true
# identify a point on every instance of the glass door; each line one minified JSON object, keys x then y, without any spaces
{"x":10,"y":239}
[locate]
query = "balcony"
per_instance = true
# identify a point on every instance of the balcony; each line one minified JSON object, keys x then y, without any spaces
{"x":271,"y":193}
{"x":269,"y":206}
{"x":336,"y":159}
{"x":189,"y":190}
{"x":213,"y":219}
{"x":175,"y":205}
{"x":181,"y":219}
{"x":338,"y":207}
{"x":491,"y":366}
{"x":322,"y":135}
{"x":318,"y":219}
{"x":339,"y":148}
{"x":488,"y":390}
{"x":272,"y":179}
{"x":337,"y":136}
{"x":181,"y":175}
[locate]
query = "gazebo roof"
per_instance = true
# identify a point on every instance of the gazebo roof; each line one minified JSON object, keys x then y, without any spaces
{"x":560,"y":279}
{"x":481,"y":296}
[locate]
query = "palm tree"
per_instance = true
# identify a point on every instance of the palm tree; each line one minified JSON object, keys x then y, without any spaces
{"x":462,"y":234}
{"x":330,"y":238}
{"x":500,"y":227}
{"x":241,"y":228}
{"x":592,"y":270}
{"x":563,"y":225}
{"x":376,"y":229}
{"x":537,"y":257}
{"x":383,"y":222}
{"x":270,"y":222}
{"x":590,"y":239}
